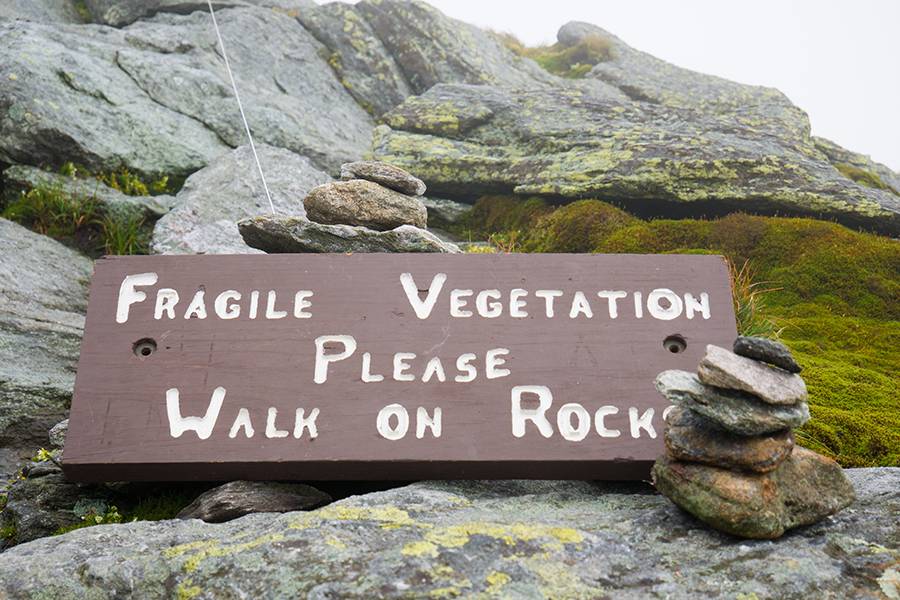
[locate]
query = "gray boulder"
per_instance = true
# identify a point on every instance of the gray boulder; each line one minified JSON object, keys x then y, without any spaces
{"x":276,"y":235}
{"x":291,"y":96}
{"x":518,"y":539}
{"x":21,"y":178}
{"x":238,"y":498}
{"x":726,"y":148}
{"x":68,"y":99}
{"x":430,"y":48}
{"x":43,"y":296}
{"x":363,"y":203}
{"x":861,"y":167}
{"x":358,"y":56}
{"x":444,"y":213}
{"x":104,"y":97}
{"x":229,"y":189}
{"x":47,"y":11}
{"x":124,"y":12}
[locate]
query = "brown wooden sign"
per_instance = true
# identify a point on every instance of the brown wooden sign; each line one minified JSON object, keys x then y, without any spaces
{"x":377,"y":366}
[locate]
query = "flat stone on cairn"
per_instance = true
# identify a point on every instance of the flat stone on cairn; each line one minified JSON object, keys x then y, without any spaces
{"x":730,"y":455}
{"x":693,"y":438}
{"x":725,"y":369}
{"x":387,"y":175}
{"x":767,"y":351}
{"x":736,"y":411}
{"x":375,"y":195}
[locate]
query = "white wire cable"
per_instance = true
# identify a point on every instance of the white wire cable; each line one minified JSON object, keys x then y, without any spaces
{"x":240,"y":105}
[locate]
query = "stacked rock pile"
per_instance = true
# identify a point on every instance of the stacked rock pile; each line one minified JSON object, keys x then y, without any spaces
{"x":372,"y":194}
{"x":730,"y":456}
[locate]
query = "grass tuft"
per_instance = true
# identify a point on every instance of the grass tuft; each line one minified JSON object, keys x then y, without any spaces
{"x":749,"y":299}
{"x":573,"y":62}
{"x":79,"y":220}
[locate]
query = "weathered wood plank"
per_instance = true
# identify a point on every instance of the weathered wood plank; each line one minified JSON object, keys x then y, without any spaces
{"x":120,"y":428}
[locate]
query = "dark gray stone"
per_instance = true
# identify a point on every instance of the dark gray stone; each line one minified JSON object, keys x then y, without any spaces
{"x":387,"y":175}
{"x":277,"y":235}
{"x":363,"y":203}
{"x":768,"y":351}
{"x":738,"y":412}
{"x":239,"y":498}
{"x":518,"y":539}
{"x":44,"y":502}
{"x":229,"y":189}
{"x":46,"y":11}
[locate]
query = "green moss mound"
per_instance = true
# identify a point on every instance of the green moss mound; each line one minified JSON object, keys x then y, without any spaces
{"x":835,"y":297}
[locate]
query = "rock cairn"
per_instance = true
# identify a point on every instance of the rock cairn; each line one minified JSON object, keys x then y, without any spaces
{"x":373,"y":194}
{"x":376,"y":208}
{"x":731,"y":460}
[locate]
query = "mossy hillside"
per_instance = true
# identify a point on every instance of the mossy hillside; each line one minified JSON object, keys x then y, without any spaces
{"x":835,"y":298}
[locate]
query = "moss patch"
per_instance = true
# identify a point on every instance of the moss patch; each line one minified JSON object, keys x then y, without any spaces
{"x":835,"y":299}
{"x":566,"y":61}
{"x":862,"y":176}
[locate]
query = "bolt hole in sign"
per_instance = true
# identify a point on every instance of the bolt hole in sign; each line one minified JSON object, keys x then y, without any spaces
{"x":386,"y":366}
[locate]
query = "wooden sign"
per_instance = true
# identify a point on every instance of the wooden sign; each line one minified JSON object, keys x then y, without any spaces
{"x":386,"y":366}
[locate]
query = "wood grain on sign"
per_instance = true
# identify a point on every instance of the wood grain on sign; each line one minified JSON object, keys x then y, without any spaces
{"x":598,"y":369}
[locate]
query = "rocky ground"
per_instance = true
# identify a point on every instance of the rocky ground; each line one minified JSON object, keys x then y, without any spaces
{"x":119,"y":134}
{"x":554,"y":539}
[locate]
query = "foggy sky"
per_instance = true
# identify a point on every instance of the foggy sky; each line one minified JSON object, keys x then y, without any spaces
{"x":839,"y":61}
